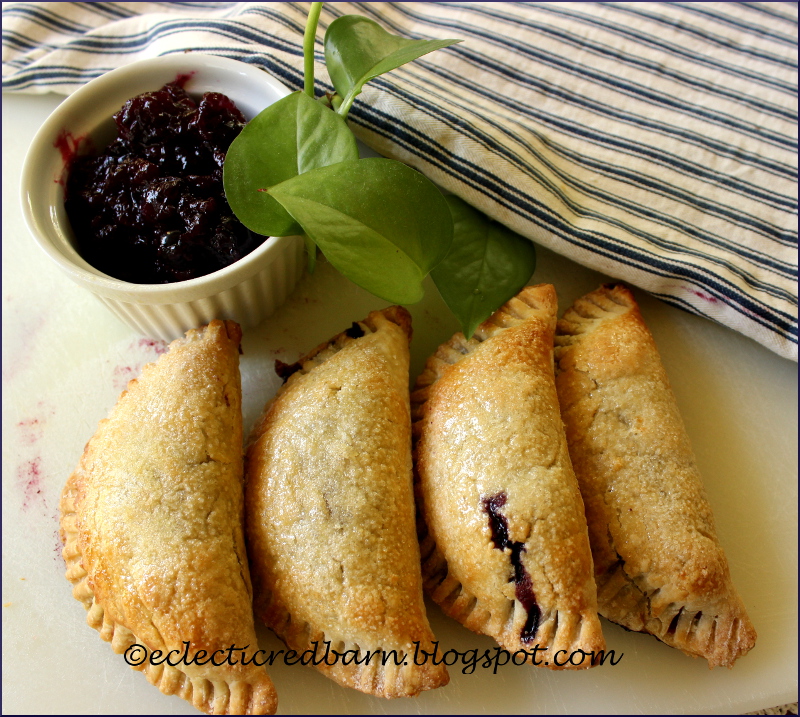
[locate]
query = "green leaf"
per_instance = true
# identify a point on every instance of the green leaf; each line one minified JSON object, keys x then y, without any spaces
{"x":289,"y":137}
{"x":486,"y":266}
{"x":380,"y":223}
{"x":358,"y":49}
{"x":311,"y":250}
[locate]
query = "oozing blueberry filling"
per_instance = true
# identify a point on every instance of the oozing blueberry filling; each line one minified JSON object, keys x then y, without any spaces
{"x":524,"y":593}
{"x":497,"y":521}
{"x":284,"y":370}
{"x":355,"y":331}
{"x":523,"y":586}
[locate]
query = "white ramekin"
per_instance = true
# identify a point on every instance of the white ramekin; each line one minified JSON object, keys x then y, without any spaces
{"x":247,"y":291}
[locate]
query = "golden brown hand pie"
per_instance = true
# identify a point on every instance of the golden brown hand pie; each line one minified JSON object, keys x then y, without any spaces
{"x":330,"y":512}
{"x":506,"y":551}
{"x":658,"y":564}
{"x":153,"y":529}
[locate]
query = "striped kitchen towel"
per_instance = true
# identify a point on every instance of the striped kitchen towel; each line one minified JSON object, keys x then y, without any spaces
{"x":655,"y":142}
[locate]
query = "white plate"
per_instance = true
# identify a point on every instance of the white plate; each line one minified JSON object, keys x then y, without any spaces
{"x":66,"y":358}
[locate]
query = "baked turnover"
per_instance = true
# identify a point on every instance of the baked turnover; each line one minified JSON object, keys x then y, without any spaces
{"x":330,"y":513}
{"x":153,"y":531}
{"x":504,"y":542}
{"x":658,"y":564}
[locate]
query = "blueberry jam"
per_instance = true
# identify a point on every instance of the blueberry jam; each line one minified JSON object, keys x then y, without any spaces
{"x":523,"y":589}
{"x":151,"y":209}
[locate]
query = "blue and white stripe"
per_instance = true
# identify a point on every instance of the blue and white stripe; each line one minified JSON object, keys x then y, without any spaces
{"x":655,"y":142}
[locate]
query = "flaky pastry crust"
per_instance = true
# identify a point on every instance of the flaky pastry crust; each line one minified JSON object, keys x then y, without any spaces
{"x":659,"y":565}
{"x":152,"y":521}
{"x":503,"y":536}
{"x":330,"y":512}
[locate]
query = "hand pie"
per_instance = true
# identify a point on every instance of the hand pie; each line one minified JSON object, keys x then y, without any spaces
{"x":658,"y":564}
{"x":153,"y":531}
{"x":330,"y":512}
{"x":505,"y":548}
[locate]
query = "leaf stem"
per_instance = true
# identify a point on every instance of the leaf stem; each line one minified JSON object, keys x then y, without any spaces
{"x":346,"y":103}
{"x":308,"y":48}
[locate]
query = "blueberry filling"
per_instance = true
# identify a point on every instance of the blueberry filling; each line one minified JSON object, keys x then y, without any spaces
{"x":150,"y":208}
{"x":284,"y":370}
{"x":524,"y":588}
{"x":497,"y":521}
{"x":355,"y":331}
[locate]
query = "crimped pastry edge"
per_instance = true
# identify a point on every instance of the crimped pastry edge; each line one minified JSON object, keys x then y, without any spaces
{"x":381,"y":676}
{"x":290,"y":373}
{"x":588,"y":311}
{"x":512,"y":313}
{"x":390,"y":680}
{"x":395,"y":314}
{"x":238,"y":697}
{"x":720,"y":631}
{"x":563,"y":632}
{"x":560,"y":630}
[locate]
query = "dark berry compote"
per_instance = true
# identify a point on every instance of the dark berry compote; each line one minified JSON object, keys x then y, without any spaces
{"x":151,"y":209}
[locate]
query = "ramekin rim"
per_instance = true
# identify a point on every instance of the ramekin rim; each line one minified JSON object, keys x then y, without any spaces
{"x":108,"y":286}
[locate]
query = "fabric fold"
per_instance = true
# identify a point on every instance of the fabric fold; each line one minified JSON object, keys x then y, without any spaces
{"x":654,"y":142}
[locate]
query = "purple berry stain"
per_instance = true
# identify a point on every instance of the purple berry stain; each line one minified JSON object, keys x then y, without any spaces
{"x":156,"y":345}
{"x":29,"y":476}
{"x":523,"y":590}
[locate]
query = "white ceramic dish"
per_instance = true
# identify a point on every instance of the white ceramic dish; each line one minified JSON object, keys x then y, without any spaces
{"x":247,"y":291}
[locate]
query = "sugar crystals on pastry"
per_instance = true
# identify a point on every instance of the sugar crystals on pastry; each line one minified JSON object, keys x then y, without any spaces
{"x":504,"y":540}
{"x":659,"y":565}
{"x":330,"y":513}
{"x":152,"y":520}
